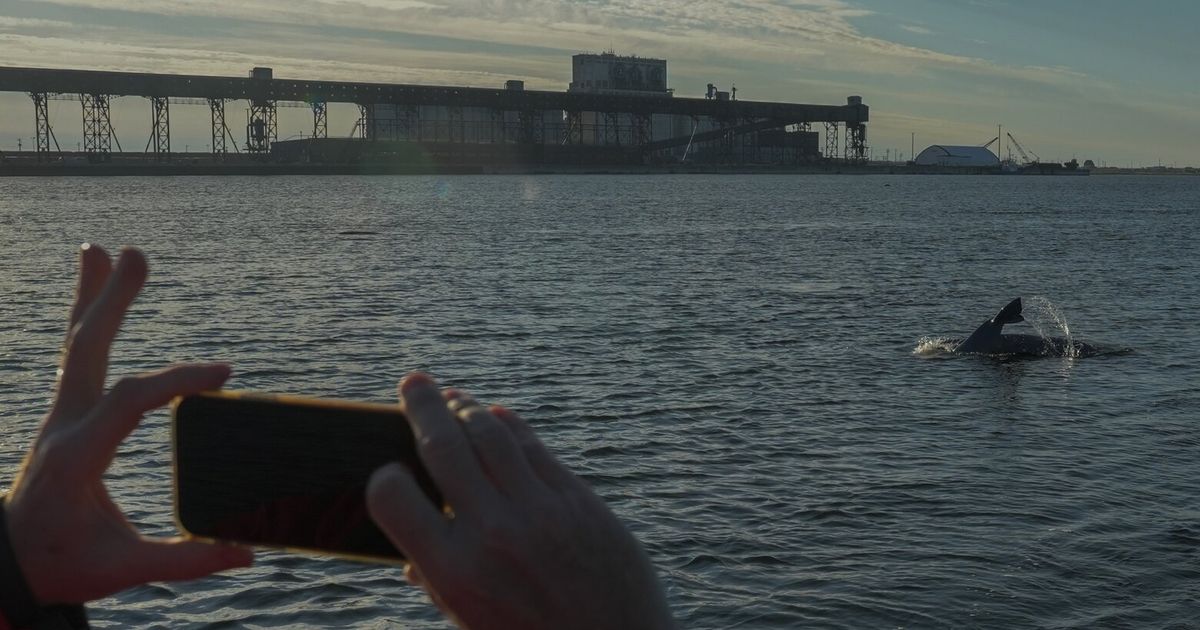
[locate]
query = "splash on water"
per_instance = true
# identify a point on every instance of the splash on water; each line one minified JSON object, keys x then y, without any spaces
{"x":531,"y":189}
{"x":1049,"y":323}
{"x":932,"y":347}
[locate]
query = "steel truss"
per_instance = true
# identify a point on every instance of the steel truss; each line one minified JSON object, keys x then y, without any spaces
{"x":45,"y":133}
{"x":262,"y":129}
{"x":160,"y":127}
{"x":97,"y":127}
{"x":856,"y":143}
{"x":831,"y":141}
{"x":320,"y":119}
{"x":362,"y":127}
{"x":220,"y":131}
{"x":573,"y":132}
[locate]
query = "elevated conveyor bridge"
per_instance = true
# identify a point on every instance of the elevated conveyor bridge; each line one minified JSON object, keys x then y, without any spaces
{"x":264,"y":93}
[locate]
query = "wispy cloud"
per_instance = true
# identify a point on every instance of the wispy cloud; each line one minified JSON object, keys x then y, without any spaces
{"x":813,"y":33}
{"x":7,"y":22}
{"x":71,"y":53}
{"x":919,"y":30}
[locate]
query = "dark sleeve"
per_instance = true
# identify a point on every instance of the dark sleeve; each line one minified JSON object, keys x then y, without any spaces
{"x":17,"y":604}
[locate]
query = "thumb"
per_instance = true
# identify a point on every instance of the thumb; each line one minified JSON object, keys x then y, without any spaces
{"x":176,"y":559}
{"x":120,"y":411}
{"x":400,"y":508}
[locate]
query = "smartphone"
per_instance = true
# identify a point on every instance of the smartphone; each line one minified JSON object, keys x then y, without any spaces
{"x":287,"y":472}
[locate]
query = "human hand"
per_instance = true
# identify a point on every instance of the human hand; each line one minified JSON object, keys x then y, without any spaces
{"x":72,"y":542}
{"x":528,"y":545}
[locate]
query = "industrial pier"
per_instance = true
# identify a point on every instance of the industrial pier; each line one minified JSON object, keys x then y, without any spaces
{"x":617,"y":112}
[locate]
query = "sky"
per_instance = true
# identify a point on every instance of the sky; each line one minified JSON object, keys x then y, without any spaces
{"x":1117,"y":82}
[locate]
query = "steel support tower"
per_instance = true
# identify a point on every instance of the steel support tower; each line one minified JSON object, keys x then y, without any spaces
{"x":262,"y":129}
{"x":856,"y":143}
{"x":219,"y":129}
{"x":365,"y":122}
{"x":573,"y":133}
{"x":320,"y":119}
{"x":160,"y":130}
{"x":45,"y":133}
{"x":97,"y":127}
{"x":831,"y":141}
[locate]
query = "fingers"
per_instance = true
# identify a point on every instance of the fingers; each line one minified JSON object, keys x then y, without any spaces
{"x":86,"y":360}
{"x":400,"y":508}
{"x":175,"y":559}
{"x":547,"y":467}
{"x":413,"y":575}
{"x":443,"y":447}
{"x":496,"y":447}
{"x":119,"y":412}
{"x":94,"y":267}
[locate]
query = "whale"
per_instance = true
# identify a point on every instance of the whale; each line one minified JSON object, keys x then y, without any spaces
{"x":990,"y":339}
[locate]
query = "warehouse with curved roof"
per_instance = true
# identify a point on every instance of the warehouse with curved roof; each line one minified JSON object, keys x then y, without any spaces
{"x":946,"y":155}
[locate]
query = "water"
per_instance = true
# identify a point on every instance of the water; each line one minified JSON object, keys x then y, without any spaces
{"x":728,"y":360}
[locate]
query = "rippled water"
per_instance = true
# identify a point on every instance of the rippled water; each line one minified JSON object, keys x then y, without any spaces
{"x":729,"y":360}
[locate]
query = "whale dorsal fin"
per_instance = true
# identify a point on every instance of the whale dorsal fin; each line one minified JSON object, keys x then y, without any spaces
{"x":986,"y":338}
{"x":1010,"y":314}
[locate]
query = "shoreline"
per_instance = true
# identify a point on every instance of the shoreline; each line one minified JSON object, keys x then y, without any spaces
{"x":195,"y":167}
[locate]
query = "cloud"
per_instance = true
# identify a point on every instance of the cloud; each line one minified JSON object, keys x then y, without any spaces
{"x":919,"y":30}
{"x":7,"y":22}
{"x":816,"y":34}
{"x":182,"y":59}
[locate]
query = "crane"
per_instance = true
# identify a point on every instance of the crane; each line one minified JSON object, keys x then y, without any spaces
{"x":991,"y":142}
{"x":1021,"y":151}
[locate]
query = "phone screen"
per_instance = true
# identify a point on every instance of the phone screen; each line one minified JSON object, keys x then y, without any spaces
{"x":286,"y":472}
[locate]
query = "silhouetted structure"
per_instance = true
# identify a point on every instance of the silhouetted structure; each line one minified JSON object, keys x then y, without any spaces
{"x":644,"y":125}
